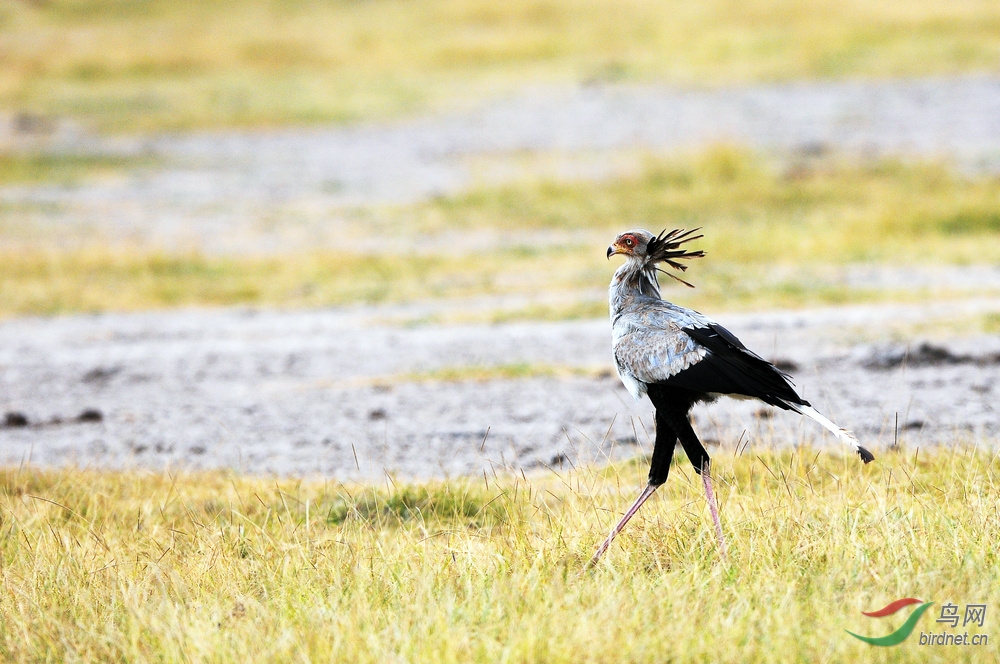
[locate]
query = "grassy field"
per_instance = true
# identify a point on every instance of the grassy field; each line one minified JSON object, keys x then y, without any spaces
{"x":777,"y":234}
{"x":146,"y":566}
{"x":140,"y":566}
{"x":135,"y":65}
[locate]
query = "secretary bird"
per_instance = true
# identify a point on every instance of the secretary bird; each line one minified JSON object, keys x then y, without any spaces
{"x":678,"y":357}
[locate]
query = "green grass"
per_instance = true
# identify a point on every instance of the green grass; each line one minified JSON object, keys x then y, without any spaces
{"x":759,"y":211}
{"x":133,"y":65}
{"x":65,"y":169}
{"x":139,"y":566}
{"x":53,"y":282}
{"x":776,"y":234}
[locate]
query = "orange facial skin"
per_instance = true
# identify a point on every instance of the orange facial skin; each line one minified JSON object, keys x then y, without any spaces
{"x":623,"y":244}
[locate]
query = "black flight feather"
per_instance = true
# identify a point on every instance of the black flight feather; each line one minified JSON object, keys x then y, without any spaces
{"x":729,"y":368}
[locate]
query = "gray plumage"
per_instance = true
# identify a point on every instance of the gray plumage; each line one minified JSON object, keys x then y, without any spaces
{"x":649,"y":341}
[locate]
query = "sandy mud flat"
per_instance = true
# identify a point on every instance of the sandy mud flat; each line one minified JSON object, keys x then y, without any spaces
{"x":349,"y":394}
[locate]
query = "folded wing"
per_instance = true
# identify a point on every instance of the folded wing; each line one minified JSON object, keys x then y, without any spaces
{"x":683,"y":349}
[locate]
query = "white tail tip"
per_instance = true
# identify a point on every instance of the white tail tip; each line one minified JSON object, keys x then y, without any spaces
{"x":843,"y":434}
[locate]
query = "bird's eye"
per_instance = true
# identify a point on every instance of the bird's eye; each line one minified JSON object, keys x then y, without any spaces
{"x":629,"y":242}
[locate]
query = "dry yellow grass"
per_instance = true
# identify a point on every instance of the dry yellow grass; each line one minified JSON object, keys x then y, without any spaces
{"x":127,"y":65}
{"x":142,"y":566}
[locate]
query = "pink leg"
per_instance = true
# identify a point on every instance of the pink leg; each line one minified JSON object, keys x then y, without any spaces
{"x":706,"y":479}
{"x":646,"y":493}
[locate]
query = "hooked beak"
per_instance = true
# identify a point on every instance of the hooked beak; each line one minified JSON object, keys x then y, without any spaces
{"x":611,"y":252}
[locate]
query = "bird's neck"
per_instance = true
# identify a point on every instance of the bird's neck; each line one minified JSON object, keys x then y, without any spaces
{"x":632,"y":279}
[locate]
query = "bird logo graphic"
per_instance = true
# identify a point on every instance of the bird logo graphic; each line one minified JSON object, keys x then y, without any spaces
{"x":904,"y":630}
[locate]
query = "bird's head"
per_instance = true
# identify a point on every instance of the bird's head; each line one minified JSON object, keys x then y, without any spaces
{"x":645,"y":250}
{"x":633,"y":244}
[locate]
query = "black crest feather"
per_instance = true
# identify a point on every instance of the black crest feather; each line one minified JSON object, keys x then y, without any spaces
{"x":665,"y":248}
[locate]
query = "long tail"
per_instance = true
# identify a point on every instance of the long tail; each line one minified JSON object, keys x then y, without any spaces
{"x":843,"y":434}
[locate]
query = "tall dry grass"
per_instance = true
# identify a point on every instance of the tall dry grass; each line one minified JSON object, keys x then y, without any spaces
{"x":143,"y":566}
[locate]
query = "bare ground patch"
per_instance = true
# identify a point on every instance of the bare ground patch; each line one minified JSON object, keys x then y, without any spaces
{"x":348,"y":394}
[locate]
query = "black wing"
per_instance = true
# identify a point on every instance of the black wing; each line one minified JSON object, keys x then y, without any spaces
{"x":730,"y":368}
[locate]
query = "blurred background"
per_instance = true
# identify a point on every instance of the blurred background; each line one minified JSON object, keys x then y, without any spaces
{"x":460,"y":162}
{"x":156,"y":153}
